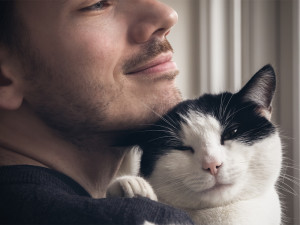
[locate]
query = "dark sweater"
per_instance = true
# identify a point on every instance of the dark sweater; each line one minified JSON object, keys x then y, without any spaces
{"x":36,"y":195}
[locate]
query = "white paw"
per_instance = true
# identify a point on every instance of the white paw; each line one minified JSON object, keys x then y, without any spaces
{"x":131,"y":186}
{"x":148,"y":223}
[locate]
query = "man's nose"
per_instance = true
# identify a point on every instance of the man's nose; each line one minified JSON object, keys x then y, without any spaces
{"x":151,"y":19}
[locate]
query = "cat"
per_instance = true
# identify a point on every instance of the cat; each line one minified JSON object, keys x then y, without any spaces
{"x":217,"y":157}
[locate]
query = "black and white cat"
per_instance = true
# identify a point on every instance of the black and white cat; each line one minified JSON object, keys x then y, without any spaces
{"x":217,"y":157}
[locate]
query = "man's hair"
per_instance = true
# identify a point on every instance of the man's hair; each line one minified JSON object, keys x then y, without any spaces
{"x":7,"y":23}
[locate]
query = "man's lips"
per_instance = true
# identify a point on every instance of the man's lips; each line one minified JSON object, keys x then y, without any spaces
{"x":160,"y":63}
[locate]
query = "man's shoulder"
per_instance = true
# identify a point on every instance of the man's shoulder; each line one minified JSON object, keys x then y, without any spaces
{"x":46,"y":196}
{"x":39,"y":178}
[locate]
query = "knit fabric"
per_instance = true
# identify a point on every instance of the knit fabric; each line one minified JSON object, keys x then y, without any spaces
{"x":36,"y":195}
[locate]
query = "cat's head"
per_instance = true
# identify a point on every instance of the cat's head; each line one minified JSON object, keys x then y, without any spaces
{"x":215,"y":149}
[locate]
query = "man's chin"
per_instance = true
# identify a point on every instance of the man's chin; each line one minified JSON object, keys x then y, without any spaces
{"x":156,"y":107}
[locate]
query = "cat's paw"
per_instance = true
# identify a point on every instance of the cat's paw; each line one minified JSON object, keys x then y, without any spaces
{"x":131,"y":186}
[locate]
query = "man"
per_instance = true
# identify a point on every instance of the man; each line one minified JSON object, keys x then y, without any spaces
{"x":73,"y":75}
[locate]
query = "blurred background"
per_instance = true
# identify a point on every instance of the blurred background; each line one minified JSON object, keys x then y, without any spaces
{"x":220,"y":44}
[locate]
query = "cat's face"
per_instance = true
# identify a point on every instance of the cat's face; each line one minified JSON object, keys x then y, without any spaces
{"x":216,"y":149}
{"x":218,"y":168}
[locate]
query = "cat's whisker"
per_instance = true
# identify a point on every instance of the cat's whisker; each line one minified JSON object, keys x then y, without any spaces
{"x":157,"y":130}
{"x":285,"y":137}
{"x":221,"y":106}
{"x":284,"y":173}
{"x":285,"y":187}
{"x":287,"y":158}
{"x":145,"y":124}
{"x":170,"y":119}
{"x":292,"y":180}
{"x":290,"y":167}
{"x":164,"y":127}
{"x":146,"y":131}
{"x":228,"y":103}
{"x":297,"y":178}
{"x":160,"y":116}
{"x":223,"y":111}
{"x":237,"y":111}
{"x":171,"y":139}
{"x":287,"y":176}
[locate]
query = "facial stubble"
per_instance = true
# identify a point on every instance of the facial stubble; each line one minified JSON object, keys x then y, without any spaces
{"x":68,"y":114}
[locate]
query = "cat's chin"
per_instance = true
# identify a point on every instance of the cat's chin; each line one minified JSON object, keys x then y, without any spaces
{"x":217,"y":188}
{"x":217,"y":195}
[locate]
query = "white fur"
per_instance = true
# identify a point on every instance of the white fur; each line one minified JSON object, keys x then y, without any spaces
{"x":148,"y":223}
{"x":245,"y":194}
{"x":127,"y":182}
{"x":131,"y":186}
{"x":131,"y":163}
{"x":262,"y":210}
{"x":246,"y":180}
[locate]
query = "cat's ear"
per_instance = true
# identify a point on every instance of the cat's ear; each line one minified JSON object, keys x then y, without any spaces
{"x":260,"y":90}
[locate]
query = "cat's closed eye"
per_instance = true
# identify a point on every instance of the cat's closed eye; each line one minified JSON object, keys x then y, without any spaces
{"x":185,"y":148}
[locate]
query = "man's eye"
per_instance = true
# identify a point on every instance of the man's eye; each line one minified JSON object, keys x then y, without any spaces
{"x":98,"y":6}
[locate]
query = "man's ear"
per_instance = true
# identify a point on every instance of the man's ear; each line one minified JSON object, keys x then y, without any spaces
{"x":11,"y":91}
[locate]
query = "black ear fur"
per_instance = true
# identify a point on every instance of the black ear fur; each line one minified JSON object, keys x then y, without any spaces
{"x":261,"y":88}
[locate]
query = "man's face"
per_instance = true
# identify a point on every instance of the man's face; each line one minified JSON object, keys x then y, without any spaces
{"x":97,"y":66}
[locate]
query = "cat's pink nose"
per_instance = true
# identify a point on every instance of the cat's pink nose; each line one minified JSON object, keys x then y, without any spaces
{"x":212,"y":167}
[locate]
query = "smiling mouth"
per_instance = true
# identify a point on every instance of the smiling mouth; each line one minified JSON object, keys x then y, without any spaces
{"x":160,"y":64}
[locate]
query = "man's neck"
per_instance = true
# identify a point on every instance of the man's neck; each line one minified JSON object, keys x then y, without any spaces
{"x":26,"y":140}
